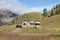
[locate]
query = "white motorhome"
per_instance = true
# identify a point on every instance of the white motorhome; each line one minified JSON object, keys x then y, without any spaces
{"x":38,"y":24}
{"x":31,"y":24}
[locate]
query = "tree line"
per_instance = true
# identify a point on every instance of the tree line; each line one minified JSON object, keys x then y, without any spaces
{"x":55,"y":10}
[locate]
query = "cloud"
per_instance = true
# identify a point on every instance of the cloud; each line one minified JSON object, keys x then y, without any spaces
{"x":20,"y":8}
{"x":13,"y":5}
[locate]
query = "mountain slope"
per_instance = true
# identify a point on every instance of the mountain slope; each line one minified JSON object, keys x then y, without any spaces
{"x":53,"y":21}
{"x":32,"y":16}
{"x":55,"y":10}
{"x":6,"y":15}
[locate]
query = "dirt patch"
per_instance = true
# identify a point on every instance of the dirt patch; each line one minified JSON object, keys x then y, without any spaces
{"x":29,"y":37}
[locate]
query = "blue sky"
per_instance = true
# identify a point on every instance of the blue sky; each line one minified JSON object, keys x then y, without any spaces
{"x":33,"y":3}
{"x":23,"y":6}
{"x":40,"y":3}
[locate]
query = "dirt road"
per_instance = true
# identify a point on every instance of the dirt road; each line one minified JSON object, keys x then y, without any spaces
{"x":29,"y":37}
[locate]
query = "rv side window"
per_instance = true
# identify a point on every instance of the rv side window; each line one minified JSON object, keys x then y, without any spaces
{"x":32,"y":23}
{"x":24,"y":24}
{"x":37,"y":23}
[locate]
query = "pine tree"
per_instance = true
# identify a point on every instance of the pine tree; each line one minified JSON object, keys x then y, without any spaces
{"x":57,"y":9}
{"x":45,"y":12}
{"x":52,"y":13}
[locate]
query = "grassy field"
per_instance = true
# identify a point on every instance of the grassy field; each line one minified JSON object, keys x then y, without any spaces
{"x":45,"y":33}
{"x":29,"y":30}
{"x":49,"y":26}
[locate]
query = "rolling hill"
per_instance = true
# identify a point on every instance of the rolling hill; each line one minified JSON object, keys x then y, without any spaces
{"x":55,"y":10}
{"x":32,"y":16}
{"x":53,"y":21}
{"x":54,"y":17}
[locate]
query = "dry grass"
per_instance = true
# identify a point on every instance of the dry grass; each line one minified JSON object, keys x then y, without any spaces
{"x":45,"y":33}
{"x":29,"y":30}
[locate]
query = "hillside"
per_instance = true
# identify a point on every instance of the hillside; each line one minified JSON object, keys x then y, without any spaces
{"x":53,"y":21}
{"x":54,"y":11}
{"x":32,"y":16}
{"x":6,"y":16}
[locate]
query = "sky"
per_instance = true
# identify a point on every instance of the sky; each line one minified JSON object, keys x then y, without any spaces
{"x":24,"y":6}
